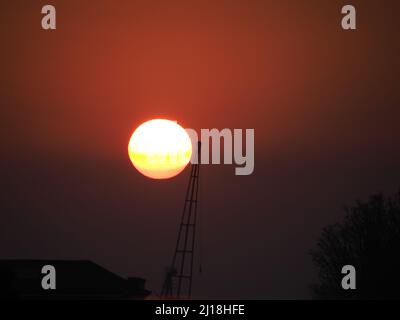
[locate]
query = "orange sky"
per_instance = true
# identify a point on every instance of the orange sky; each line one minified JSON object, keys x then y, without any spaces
{"x":286,"y":70}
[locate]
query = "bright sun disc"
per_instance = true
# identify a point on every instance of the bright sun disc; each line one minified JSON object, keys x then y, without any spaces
{"x":160,"y":149}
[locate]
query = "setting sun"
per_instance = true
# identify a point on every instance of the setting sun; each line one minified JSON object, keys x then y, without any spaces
{"x":160,"y":149}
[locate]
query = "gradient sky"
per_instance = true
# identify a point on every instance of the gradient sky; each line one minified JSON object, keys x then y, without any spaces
{"x":324,"y":104}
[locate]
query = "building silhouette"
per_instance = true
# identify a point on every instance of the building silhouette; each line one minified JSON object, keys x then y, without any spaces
{"x":75,"y":279}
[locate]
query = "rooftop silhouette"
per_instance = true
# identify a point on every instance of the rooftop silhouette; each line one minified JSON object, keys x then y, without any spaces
{"x":75,"y":279}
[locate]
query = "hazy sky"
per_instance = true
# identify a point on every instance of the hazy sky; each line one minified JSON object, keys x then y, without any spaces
{"x":324,"y":104}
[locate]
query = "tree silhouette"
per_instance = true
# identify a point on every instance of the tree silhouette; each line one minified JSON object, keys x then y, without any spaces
{"x":368,"y":239}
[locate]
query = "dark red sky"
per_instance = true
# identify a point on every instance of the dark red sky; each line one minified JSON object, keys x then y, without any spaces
{"x":324,"y":104}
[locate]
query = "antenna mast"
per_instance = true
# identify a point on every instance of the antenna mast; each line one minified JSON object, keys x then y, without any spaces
{"x":178,"y":278}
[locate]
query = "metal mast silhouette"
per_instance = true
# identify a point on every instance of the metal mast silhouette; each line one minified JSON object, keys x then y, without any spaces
{"x":178,"y":278}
